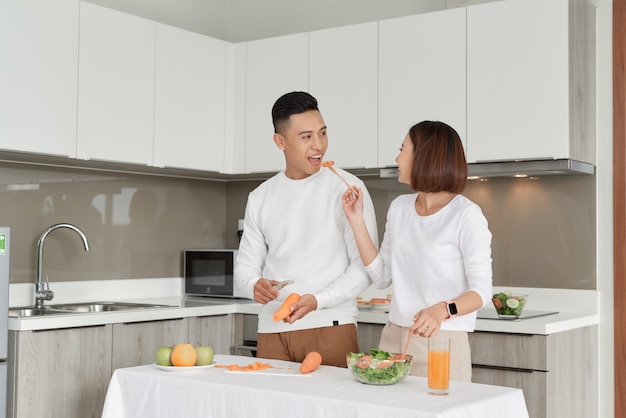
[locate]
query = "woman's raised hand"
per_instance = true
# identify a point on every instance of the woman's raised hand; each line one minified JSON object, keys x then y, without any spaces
{"x":352,"y":201}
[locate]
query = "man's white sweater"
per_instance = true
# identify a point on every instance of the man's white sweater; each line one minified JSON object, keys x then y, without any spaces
{"x":296,"y":230}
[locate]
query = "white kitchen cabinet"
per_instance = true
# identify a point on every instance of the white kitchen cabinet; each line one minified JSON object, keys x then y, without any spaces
{"x":235,"y":108}
{"x":136,"y":343}
{"x":216,"y":331}
{"x":530,"y":80}
{"x":274,"y":66}
{"x":189,"y":102}
{"x":343,"y":76}
{"x":556,"y":371}
{"x":59,"y":372}
{"x":39,"y":50}
{"x":115,"y":86}
{"x":421,"y":76}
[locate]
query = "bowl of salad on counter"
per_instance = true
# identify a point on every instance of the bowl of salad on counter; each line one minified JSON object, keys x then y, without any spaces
{"x":378,"y":367}
{"x":509,"y":305}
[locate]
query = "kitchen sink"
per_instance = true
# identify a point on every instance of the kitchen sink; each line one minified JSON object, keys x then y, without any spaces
{"x":85,"y":307}
{"x":26,"y":312}
{"x":104,"y":306}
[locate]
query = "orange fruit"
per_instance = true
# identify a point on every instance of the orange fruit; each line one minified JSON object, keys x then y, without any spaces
{"x":183,"y":355}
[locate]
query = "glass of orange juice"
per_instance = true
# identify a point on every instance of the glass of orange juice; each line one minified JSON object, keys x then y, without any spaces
{"x":438,"y":365}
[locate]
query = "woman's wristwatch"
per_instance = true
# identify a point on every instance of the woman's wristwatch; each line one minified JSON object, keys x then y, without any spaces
{"x":451,"y":307}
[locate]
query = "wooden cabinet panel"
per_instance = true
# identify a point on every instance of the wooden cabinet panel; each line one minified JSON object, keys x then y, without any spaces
{"x":59,"y":373}
{"x":215,"y":331}
{"x":533,"y":383}
{"x":557,"y":372}
{"x":520,"y":351}
{"x":369,"y":335}
{"x":135,"y":344}
{"x":573,"y":379}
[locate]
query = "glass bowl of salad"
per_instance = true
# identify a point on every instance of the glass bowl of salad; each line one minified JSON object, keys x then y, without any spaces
{"x":509,"y":305}
{"x":378,"y":367}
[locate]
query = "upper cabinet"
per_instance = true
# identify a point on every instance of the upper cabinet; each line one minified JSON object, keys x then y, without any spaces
{"x":422,"y":74}
{"x":515,"y":78}
{"x":530,"y":80}
{"x":235,"y":109}
{"x":274,"y":66}
{"x":343,"y":77}
{"x":189,"y":113}
{"x":116,"y":86}
{"x":39,"y":50}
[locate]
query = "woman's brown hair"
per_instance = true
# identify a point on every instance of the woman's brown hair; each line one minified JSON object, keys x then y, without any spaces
{"x":439,"y":163}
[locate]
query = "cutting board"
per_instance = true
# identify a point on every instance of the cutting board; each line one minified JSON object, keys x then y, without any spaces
{"x":294,"y":372}
{"x":492,"y":314}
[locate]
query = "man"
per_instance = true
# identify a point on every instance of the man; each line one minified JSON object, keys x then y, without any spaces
{"x":295,"y":229}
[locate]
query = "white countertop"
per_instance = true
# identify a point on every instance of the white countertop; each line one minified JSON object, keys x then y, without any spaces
{"x":180,"y":307}
{"x":579,"y":311}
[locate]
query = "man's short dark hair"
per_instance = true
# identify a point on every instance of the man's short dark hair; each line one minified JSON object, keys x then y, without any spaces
{"x":291,"y":104}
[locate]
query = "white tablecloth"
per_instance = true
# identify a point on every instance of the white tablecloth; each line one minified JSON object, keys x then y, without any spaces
{"x":147,"y":391}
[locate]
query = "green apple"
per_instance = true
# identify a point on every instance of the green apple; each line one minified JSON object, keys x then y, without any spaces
{"x":205,"y":355}
{"x":163,"y":355}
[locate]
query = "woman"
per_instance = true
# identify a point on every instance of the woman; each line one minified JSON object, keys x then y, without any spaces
{"x":436,"y":250}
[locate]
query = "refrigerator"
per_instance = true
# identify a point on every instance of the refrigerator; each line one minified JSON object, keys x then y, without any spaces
{"x":5,"y":241}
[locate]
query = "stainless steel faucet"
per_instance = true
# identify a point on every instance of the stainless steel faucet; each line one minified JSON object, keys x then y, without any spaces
{"x":43,"y":292}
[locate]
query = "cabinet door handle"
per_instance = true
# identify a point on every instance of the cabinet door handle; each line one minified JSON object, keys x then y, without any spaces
{"x":508,"y":369}
{"x":153,"y":321}
{"x":246,"y":347}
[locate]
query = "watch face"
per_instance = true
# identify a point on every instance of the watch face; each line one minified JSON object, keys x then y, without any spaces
{"x":452,"y":308}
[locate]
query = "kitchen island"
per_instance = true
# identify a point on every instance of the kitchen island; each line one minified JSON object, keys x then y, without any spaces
{"x":327,"y":392}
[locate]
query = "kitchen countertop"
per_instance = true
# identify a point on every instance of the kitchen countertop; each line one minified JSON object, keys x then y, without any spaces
{"x":179,"y":307}
{"x":200,"y":306}
{"x":577,"y":308}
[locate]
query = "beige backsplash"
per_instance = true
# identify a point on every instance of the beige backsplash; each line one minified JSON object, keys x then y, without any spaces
{"x":543,"y":229}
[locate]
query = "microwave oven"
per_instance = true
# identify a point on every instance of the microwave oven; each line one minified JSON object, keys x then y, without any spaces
{"x":210,"y":273}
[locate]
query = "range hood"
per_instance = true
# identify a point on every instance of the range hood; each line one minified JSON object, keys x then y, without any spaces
{"x":518,"y":168}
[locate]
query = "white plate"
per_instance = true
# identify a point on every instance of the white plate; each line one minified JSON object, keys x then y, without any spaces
{"x":184,"y":369}
{"x":365,"y":307}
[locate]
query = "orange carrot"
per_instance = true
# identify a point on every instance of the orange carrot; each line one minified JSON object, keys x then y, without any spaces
{"x":311,"y":362}
{"x":285,"y":309}
{"x":328,"y":163}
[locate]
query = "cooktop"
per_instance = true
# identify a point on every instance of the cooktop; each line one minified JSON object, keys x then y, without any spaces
{"x":492,"y":314}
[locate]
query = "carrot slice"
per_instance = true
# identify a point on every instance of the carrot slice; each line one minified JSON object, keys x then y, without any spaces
{"x":257,"y":365}
{"x":328,"y":163}
{"x":285,"y":309}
